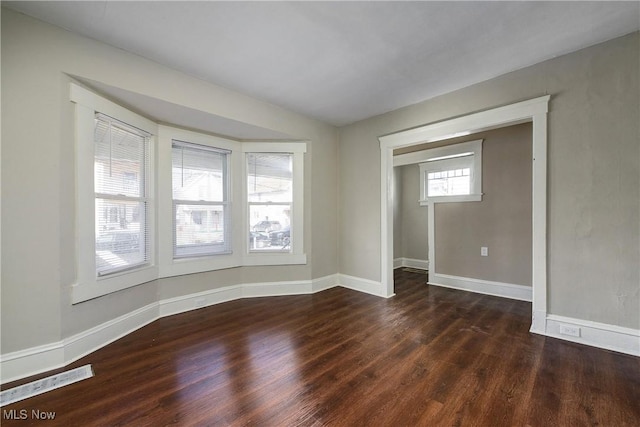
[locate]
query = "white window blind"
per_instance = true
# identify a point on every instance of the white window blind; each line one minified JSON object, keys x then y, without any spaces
{"x":121,"y":165}
{"x":201,"y":211}
{"x":270,"y":201}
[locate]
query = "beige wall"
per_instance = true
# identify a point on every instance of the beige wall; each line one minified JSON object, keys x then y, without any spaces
{"x":501,"y":221}
{"x":398,"y":201}
{"x":593,"y":176}
{"x":38,"y":198}
{"x":411,"y":217}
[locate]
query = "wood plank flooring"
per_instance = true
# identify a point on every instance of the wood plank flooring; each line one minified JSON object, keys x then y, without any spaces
{"x":427,"y":357}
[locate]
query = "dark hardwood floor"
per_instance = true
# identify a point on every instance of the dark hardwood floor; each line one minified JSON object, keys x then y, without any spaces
{"x":429,"y":356}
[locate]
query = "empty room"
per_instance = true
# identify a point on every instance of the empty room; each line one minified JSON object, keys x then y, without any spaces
{"x":379,"y":213}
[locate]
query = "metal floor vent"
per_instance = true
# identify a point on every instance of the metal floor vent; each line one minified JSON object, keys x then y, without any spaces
{"x":45,"y":384}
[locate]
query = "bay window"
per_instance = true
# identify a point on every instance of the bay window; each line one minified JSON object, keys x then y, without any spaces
{"x":192,"y":203}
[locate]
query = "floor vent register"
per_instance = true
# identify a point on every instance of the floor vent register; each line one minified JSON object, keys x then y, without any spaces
{"x":45,"y":384}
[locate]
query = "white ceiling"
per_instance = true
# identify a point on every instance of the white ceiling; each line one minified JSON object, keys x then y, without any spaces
{"x":341,"y":62}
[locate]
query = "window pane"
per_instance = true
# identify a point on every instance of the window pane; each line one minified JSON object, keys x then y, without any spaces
{"x":120,"y":167}
{"x":121,"y":234}
{"x":459,"y":186}
{"x":200,"y":230}
{"x":119,"y":160}
{"x":269,"y":227}
{"x":454,"y":182}
{"x":270,"y":177}
{"x":198,"y":173}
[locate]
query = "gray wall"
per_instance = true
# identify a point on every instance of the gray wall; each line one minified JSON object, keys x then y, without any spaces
{"x":38,"y":198}
{"x":412,"y":235}
{"x":501,"y":221}
{"x":593,"y":176}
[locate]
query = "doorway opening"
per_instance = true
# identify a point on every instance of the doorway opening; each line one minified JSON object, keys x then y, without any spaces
{"x":534,"y":111}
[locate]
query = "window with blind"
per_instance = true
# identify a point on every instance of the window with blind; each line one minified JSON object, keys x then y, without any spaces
{"x":121,"y":174}
{"x":157,"y":201}
{"x":201,"y":211}
{"x":270,"y":201}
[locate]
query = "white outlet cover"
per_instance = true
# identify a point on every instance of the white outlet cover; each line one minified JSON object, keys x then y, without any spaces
{"x":570,"y":330}
{"x":484,"y":251}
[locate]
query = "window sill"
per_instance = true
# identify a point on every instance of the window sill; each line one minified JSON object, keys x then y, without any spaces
{"x":185,"y":266}
{"x":86,"y":290}
{"x":182,"y":266}
{"x":451,"y":199}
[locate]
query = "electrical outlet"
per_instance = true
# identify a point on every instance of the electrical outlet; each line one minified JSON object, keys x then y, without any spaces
{"x":484,"y":251}
{"x":198,"y":303}
{"x":570,"y":330}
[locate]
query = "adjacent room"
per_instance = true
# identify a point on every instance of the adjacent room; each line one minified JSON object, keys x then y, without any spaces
{"x":320,"y":213}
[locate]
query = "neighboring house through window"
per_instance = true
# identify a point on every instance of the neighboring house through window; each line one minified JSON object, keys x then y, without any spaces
{"x":115,"y":205}
{"x":201,"y":212}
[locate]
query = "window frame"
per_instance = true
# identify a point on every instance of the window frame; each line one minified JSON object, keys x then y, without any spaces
{"x":452,"y":159}
{"x":160,"y":201}
{"x":89,"y":284}
{"x":119,"y":198}
{"x":224,"y":202}
{"x":296,"y":254}
{"x":169,"y":265}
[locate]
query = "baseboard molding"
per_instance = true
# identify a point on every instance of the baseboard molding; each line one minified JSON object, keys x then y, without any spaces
{"x":183,"y":303}
{"x":323,"y":283}
{"x":499,"y":289}
{"x":32,"y":361}
{"x":421,"y":264}
{"x":88,"y":341}
{"x":35,"y":360}
{"x":362,"y":285}
{"x":595,"y":334}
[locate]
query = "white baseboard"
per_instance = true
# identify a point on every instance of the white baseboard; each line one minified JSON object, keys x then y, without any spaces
{"x":88,"y":341}
{"x":35,"y":360}
{"x":189,"y":302}
{"x":595,"y":334}
{"x":499,"y":289}
{"x":32,"y":361}
{"x":362,"y":285}
{"x":421,"y":264}
{"x":183,"y":303}
{"x":324,"y":283}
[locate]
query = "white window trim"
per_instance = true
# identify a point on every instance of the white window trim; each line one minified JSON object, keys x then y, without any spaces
{"x":167,"y":264}
{"x":532,"y":110}
{"x":297,"y":255}
{"x":427,"y":164}
{"x":89,"y":285}
{"x":160,"y":202}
